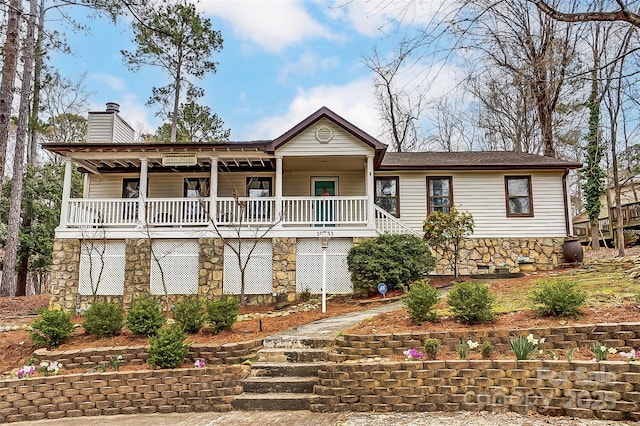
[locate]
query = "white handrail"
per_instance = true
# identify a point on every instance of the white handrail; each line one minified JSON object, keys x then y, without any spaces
{"x":389,"y":224}
{"x":324,"y":210}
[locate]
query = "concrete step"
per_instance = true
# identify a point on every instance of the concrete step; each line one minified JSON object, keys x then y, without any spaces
{"x":279,"y":384}
{"x":280,"y":369}
{"x":292,"y":355}
{"x":273,"y":401}
{"x":295,"y":342}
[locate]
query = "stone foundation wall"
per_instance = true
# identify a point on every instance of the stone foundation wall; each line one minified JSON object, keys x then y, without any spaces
{"x":65,"y":274}
{"x":211,"y":267}
{"x":606,"y":390}
{"x":137,"y":269}
{"x":479,"y":255}
{"x":127,"y":392}
{"x":623,"y":337}
{"x":213,"y":354}
{"x":284,"y":267}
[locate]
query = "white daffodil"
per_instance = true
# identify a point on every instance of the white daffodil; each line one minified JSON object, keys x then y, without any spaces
{"x":612,"y":350}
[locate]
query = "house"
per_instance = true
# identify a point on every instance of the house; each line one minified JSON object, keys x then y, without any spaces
{"x":630,"y":202}
{"x":165,"y":218}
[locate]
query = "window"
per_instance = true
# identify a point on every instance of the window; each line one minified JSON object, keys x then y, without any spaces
{"x":131,"y":188}
{"x":518,"y":195}
{"x":387,"y":194}
{"x":259,"y":187}
{"x":196,"y":187}
{"x":440,"y":197}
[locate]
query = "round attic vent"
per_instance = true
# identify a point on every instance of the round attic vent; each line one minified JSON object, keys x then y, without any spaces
{"x":324,"y":134}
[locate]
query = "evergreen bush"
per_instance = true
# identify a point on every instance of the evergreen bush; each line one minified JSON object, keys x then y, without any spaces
{"x":222,"y":313}
{"x":189,"y":314}
{"x":556,"y":298}
{"x":391,"y":259}
{"x":145,"y":316}
{"x":52,"y":329}
{"x":431,"y":348}
{"x":103,"y":319}
{"x":420,"y":300}
{"x":167,"y":349}
{"x":471,"y":303}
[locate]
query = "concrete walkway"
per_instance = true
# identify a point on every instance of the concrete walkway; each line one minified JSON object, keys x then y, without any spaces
{"x":328,"y":328}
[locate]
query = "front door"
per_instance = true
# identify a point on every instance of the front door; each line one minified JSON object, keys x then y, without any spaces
{"x":324,"y":187}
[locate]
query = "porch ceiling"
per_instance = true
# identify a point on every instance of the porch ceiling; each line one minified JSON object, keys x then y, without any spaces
{"x":128,"y":161}
{"x":324,"y":163}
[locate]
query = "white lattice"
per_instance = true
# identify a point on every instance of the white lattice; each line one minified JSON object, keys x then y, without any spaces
{"x":259,"y":270}
{"x":101,"y":267}
{"x":176,"y":263}
{"x":309,"y":266}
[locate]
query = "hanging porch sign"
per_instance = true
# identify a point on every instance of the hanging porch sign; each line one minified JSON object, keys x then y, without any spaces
{"x":180,"y":159}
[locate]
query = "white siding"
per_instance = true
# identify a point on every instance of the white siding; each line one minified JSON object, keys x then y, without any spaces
{"x":121,"y":131}
{"x":231,"y":183}
{"x":100,"y":128}
{"x":161,"y":185}
{"x":343,"y":143}
{"x":483,"y":195}
{"x":107,"y":186}
{"x":298,"y":183}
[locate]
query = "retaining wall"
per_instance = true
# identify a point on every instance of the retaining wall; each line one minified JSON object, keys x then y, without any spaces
{"x":606,"y":390}
{"x":100,"y":394}
{"x":622,"y":336}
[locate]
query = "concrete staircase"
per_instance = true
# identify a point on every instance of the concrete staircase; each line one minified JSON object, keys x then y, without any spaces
{"x":284,"y":375}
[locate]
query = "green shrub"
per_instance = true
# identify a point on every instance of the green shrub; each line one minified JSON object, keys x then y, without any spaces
{"x":487,"y":349}
{"x":222,"y":313}
{"x":431,"y":348}
{"x":419,"y":301}
{"x":189,"y":314}
{"x":145,"y":316}
{"x":103,"y":319}
{"x":391,"y":259}
{"x":471,"y":303}
{"x":167,"y":349}
{"x":305,"y":295}
{"x":52,"y":329}
{"x":558,"y":298}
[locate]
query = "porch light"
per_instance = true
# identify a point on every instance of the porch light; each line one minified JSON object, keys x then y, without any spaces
{"x":324,"y":237}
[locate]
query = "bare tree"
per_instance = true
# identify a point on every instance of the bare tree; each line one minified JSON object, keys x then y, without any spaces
{"x":7,"y":84}
{"x":8,"y":285}
{"x":399,"y":107}
{"x":608,"y":11}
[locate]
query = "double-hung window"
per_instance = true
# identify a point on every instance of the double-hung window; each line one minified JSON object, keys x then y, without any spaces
{"x":518,"y":196}
{"x":439,"y":194}
{"x":388,"y":194}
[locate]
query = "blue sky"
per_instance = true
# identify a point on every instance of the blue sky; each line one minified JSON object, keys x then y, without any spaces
{"x":281,"y":61}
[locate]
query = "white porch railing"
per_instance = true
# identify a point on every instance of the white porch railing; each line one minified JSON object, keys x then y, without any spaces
{"x":245,"y":211}
{"x":296,"y":211}
{"x":86,"y":212}
{"x":176,"y":212}
{"x":324,"y":210}
{"x":389,"y":224}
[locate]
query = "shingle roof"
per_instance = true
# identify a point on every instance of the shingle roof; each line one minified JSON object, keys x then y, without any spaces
{"x":472,"y":160}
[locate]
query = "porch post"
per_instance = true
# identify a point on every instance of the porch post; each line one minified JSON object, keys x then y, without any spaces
{"x":278,"y":217}
{"x":66,"y":192}
{"x":142,"y":192}
{"x":371,"y":223}
{"x":213,"y":190}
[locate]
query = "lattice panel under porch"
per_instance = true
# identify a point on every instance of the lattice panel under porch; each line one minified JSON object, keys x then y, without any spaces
{"x":259,"y":271}
{"x":101,"y":267}
{"x":309,"y":266}
{"x":177,"y":262}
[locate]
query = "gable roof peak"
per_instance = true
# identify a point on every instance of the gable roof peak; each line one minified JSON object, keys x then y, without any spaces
{"x":324,"y":112}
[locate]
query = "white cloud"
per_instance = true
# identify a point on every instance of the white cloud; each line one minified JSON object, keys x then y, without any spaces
{"x":114,"y":83}
{"x":308,"y":64}
{"x":354,"y":102}
{"x":371,"y":18}
{"x":273,"y":24}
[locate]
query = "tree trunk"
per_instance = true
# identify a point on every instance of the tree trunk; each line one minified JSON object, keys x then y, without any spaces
{"x":595,"y":237}
{"x":11,"y":248}
{"x":32,"y":152}
{"x":7,"y":85}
